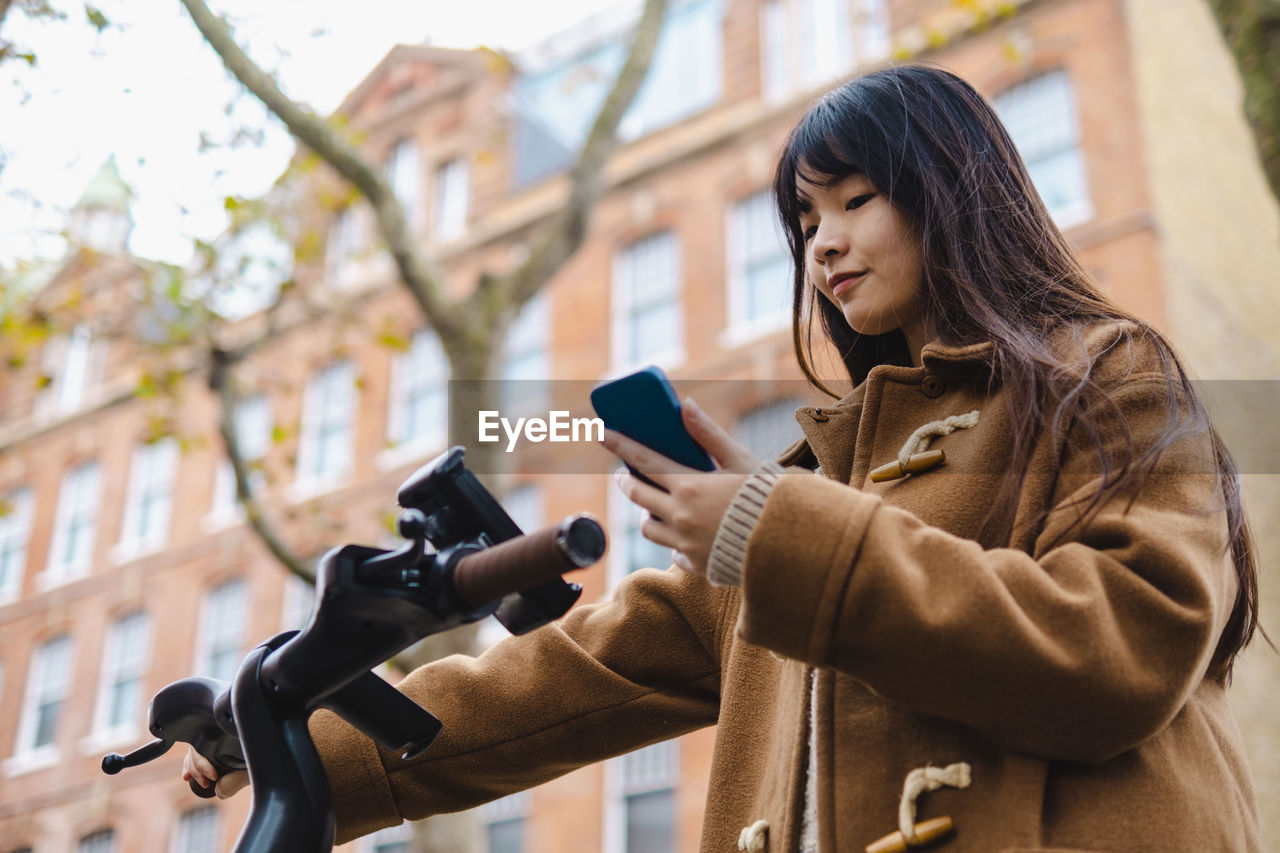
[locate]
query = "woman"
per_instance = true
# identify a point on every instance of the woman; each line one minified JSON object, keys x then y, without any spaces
{"x":1031,"y":638}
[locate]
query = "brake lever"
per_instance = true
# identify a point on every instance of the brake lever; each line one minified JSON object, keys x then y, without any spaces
{"x":114,"y":762}
{"x":196,"y":711}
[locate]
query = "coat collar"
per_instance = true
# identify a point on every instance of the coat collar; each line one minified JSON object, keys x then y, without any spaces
{"x":822,"y":423}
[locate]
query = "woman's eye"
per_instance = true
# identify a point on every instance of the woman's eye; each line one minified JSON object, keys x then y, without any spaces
{"x":810,"y":232}
{"x":859,"y":200}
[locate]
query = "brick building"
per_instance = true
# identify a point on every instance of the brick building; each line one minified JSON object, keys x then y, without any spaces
{"x":124,"y":563}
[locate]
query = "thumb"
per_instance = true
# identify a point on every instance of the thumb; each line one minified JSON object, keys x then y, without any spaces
{"x":731,"y":454}
{"x":230,"y":784}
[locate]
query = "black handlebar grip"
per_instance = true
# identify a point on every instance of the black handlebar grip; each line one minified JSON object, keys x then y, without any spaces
{"x":527,"y":561}
{"x":206,"y":793}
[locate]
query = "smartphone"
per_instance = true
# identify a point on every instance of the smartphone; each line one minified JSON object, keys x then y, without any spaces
{"x":643,"y":406}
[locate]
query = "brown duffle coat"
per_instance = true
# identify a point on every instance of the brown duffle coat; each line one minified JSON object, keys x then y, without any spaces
{"x":1071,"y":672}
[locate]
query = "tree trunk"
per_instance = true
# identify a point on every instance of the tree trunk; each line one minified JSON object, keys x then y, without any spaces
{"x":1252,"y":32}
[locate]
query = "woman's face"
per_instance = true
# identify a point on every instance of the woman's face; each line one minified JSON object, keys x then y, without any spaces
{"x":864,"y":257}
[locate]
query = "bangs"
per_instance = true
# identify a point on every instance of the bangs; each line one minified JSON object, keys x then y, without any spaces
{"x":822,"y":151}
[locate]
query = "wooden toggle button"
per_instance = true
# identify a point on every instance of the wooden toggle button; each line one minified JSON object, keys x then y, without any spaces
{"x":916,"y":463}
{"x":929,"y":830}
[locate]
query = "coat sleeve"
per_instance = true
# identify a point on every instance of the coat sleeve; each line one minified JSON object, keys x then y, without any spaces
{"x":1078,"y":650}
{"x":641,"y":667}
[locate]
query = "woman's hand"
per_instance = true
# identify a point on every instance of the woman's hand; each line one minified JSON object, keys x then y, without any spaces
{"x":195,"y":767}
{"x":686,"y":516}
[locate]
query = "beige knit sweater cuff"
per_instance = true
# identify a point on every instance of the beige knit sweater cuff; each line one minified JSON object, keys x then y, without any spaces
{"x":729,"y":549}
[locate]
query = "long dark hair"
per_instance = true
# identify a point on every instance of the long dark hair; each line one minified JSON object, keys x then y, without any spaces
{"x":997,"y":269}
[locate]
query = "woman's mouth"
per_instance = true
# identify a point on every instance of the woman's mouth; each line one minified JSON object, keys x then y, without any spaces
{"x":844,"y":281}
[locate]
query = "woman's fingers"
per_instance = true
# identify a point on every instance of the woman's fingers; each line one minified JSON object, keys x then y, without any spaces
{"x":232,"y":783}
{"x":643,"y":495}
{"x":652,"y":464}
{"x":196,"y":768}
{"x":660,"y":534}
{"x":727,"y":451}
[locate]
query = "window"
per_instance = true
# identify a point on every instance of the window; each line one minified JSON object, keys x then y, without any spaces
{"x":124,"y":664}
{"x":684,"y":77}
{"x":524,"y":505}
{"x":197,"y":831}
{"x":642,"y":799}
{"x":631,"y":551}
{"x":71,"y":365}
{"x":299,"y":598}
{"x":328,"y":405}
{"x":343,"y":246}
{"x":759,"y":267}
{"x":102,"y":841}
{"x":391,"y":839}
{"x":147,"y":502}
{"x":418,"y":419}
{"x":72,"y":545}
{"x":48,"y":684}
{"x":222,"y":628}
{"x":504,"y":823}
{"x":404,"y":173}
{"x":15,"y":532}
{"x":253,"y":438}
{"x":648,"y":325}
{"x":558,"y":96}
{"x":525,"y":361}
{"x":770,"y":429}
{"x":808,"y":43}
{"x":1040,"y":116}
{"x":452,"y":191}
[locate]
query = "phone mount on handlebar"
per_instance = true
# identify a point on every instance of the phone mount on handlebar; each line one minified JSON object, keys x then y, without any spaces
{"x":460,"y":511}
{"x":370,"y":604}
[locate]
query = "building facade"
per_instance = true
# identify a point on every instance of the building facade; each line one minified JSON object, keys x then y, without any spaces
{"x":125,"y":562}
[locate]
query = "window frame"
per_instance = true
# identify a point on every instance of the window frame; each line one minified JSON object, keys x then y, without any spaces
{"x":329,"y":403}
{"x":15,"y":541}
{"x":186,"y":821}
{"x":28,"y":755}
{"x":404,"y":174}
{"x":621,"y":784}
{"x":853,"y":33}
{"x":253,"y":427}
{"x":417,"y":376}
{"x":213,"y":639}
{"x":526,"y":358}
{"x":105,"y":732}
{"x":153,"y":470}
{"x":79,"y":496}
{"x":623,"y":356}
{"x":92,"y":842}
{"x":451,"y":199}
{"x":1080,"y":209}
{"x":741,"y":328}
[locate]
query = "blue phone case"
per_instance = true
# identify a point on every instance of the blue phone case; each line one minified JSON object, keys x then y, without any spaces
{"x":643,"y":406}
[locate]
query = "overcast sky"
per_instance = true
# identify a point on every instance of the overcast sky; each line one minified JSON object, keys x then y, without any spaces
{"x":148,"y":87}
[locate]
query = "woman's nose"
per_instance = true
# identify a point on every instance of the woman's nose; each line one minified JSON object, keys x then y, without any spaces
{"x":828,"y":244}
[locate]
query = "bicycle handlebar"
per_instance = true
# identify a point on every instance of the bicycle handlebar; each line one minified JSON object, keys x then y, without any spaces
{"x":370,"y":605}
{"x":493,"y":573}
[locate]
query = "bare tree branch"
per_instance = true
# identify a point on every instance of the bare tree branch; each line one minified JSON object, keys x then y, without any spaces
{"x":564,"y":234}
{"x":420,"y":276}
{"x":220,"y":381}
